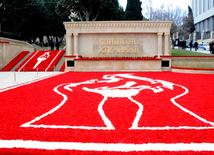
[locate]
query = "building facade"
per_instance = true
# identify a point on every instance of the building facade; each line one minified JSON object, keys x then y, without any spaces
{"x":203,"y":13}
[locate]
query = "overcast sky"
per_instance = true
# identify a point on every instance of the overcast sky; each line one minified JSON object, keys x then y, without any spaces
{"x":183,"y":4}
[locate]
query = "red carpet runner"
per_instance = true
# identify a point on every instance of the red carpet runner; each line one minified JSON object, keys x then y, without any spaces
{"x":18,"y":58}
{"x":41,"y":61}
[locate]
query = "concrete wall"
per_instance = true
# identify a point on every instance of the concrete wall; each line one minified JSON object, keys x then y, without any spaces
{"x":193,"y":62}
{"x":11,"y":49}
{"x":118,"y":65}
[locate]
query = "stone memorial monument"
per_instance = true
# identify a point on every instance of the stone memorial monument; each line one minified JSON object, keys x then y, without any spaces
{"x":118,"y":46}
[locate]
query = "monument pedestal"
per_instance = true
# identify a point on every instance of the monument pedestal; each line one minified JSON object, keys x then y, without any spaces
{"x":118,"y":64}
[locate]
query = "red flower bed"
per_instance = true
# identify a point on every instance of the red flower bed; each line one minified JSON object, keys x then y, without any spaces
{"x":73,"y":56}
{"x":118,"y":58}
{"x":195,"y":56}
{"x":109,"y":111}
{"x":4,"y":42}
{"x":41,"y":60}
{"x":12,"y":63}
{"x":204,"y":69}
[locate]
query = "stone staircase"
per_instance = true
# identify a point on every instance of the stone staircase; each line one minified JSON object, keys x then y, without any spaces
{"x":60,"y":63}
{"x":20,"y":62}
{"x":56,"y":68}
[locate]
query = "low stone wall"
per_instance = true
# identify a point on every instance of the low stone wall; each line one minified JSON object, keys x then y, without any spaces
{"x":10,"y":48}
{"x":115,"y":64}
{"x":205,"y":62}
{"x":192,"y":70}
{"x":193,"y":64}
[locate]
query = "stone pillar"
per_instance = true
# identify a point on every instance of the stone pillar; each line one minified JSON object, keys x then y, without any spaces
{"x":170,"y":47}
{"x":176,"y":35}
{"x":202,"y":36}
{"x":166,"y":46}
{"x":212,"y":35}
{"x":76,"y":44}
{"x":69,"y":44}
{"x":194,"y":37}
{"x":190,"y":36}
{"x":160,"y":44}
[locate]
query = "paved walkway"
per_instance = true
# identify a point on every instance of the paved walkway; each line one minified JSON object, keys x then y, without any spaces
{"x":8,"y":79}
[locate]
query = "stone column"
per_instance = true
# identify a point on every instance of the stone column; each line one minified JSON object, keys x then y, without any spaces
{"x":76,"y":44}
{"x":176,"y":35}
{"x":212,"y":35}
{"x":202,"y":36}
{"x":160,"y":44}
{"x":190,"y":36}
{"x":194,"y":37}
{"x":69,"y":44}
{"x":166,"y":46}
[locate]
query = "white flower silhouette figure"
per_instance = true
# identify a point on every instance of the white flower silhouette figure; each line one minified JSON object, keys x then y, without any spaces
{"x":128,"y":90}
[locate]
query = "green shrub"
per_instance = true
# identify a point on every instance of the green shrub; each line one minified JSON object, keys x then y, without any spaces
{"x":10,"y":35}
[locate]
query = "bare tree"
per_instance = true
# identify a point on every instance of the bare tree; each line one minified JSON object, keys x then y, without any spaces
{"x":165,"y":13}
{"x":149,"y":9}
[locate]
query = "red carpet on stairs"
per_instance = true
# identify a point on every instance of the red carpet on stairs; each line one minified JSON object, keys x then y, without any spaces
{"x":12,"y":63}
{"x":41,"y":61}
